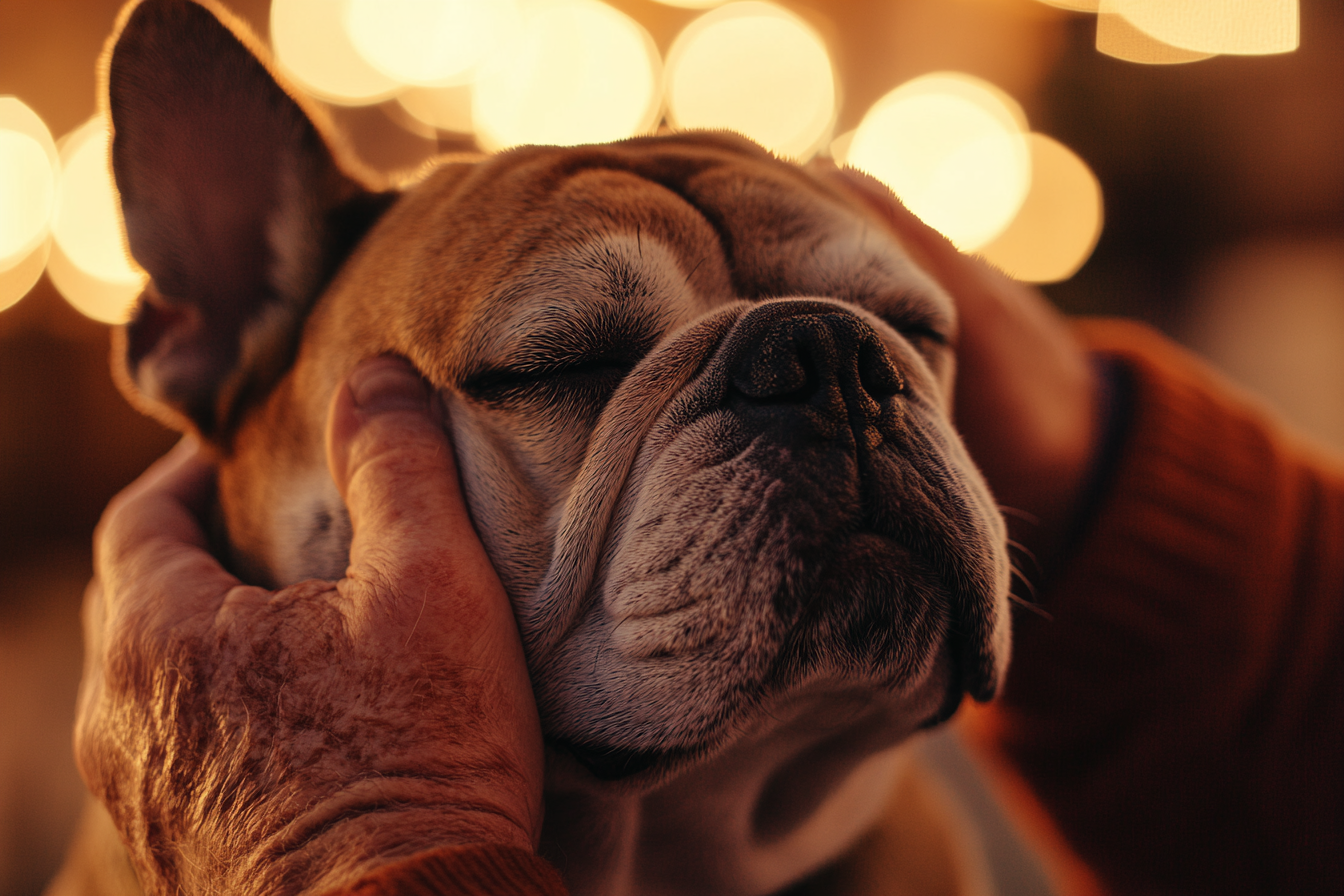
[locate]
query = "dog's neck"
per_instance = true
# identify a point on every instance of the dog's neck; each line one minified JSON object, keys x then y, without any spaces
{"x":782,"y":802}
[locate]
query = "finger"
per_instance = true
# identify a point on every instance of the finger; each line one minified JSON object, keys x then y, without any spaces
{"x":394,"y":466}
{"x":150,"y":549}
{"x":417,"y":568}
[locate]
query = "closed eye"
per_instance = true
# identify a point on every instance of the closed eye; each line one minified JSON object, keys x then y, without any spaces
{"x":509,"y":379}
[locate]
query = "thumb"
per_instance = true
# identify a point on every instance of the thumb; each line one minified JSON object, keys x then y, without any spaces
{"x":414,"y":544}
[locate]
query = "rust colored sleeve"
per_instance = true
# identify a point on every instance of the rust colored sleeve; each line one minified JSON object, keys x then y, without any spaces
{"x":1181,"y":714}
{"x":463,"y":871}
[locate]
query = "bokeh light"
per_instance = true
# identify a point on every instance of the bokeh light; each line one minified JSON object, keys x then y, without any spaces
{"x":953,"y":148}
{"x":1117,"y":36}
{"x":313,"y":47}
{"x":756,"y":69}
{"x":89,"y":263}
{"x":429,"y":42}
{"x":1241,"y":27}
{"x":577,"y":71}
{"x":1058,"y":225}
{"x":28,"y":178}
{"x":18,"y":278}
{"x":1078,"y":5}
{"x":692,"y":4}
{"x":444,"y":108}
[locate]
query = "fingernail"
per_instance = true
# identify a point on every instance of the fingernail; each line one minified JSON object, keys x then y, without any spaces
{"x":387,"y":384}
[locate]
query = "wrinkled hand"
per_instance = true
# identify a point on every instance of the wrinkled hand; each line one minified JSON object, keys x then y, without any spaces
{"x":248,"y":741}
{"x":1026,"y":395}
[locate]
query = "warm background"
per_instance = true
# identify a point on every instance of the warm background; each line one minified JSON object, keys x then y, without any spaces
{"x":1224,"y":192}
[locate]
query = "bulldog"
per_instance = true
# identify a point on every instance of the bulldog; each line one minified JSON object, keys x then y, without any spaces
{"x":699,"y":397}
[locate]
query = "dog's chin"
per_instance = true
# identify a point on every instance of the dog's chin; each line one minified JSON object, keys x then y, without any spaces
{"x":843,"y":716}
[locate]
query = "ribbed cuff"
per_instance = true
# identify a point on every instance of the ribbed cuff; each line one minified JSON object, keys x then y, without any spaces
{"x":463,"y":871}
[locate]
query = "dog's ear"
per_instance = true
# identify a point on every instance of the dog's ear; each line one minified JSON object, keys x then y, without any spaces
{"x":234,"y":204}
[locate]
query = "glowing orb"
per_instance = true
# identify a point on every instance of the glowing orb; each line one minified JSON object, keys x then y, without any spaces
{"x":28,"y":173}
{"x":756,"y":69}
{"x":313,"y":48}
{"x":444,"y":108}
{"x":952,"y":148}
{"x":577,"y":71}
{"x":16,"y":280}
{"x":1060,"y":221}
{"x":1117,"y":36}
{"x":89,"y":263}
{"x":1241,"y":27}
{"x":429,"y":42}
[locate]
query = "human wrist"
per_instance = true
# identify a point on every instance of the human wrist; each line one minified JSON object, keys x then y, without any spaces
{"x":353,"y":836}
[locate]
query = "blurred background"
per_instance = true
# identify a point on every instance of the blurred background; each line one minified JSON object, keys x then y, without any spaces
{"x":1137,"y":162}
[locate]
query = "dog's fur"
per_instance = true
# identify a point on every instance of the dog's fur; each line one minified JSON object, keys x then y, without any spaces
{"x":699,"y":399}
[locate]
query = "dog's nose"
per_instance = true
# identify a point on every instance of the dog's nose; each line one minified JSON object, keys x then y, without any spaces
{"x":830,"y":365}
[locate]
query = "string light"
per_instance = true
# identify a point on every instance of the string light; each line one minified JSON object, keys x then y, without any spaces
{"x":577,"y":71}
{"x":953,"y":148}
{"x":313,"y":47}
{"x":429,"y":42}
{"x":28,"y":179}
{"x":693,"y":4}
{"x":1239,"y":27}
{"x":1057,"y":227}
{"x":1117,"y":36}
{"x":757,"y":69}
{"x":89,"y":263}
{"x":16,"y":281}
{"x":443,"y":108}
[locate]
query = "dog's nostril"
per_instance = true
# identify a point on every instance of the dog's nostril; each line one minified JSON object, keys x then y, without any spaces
{"x":877,"y":374}
{"x":778,"y":367}
{"x":796,"y":356}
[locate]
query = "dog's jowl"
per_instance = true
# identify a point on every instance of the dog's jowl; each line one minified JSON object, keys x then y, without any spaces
{"x":700,"y":403}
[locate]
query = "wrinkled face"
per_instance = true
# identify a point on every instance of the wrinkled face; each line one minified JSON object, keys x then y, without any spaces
{"x":700,"y":406}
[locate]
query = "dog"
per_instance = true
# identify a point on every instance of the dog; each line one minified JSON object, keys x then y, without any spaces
{"x":699,"y":397}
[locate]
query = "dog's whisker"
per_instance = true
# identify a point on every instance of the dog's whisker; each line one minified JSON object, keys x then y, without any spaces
{"x":1019,"y":514}
{"x":1026,"y":553}
{"x":1030,"y":606}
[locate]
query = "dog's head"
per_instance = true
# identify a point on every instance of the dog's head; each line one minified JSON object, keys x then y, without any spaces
{"x":699,"y":398}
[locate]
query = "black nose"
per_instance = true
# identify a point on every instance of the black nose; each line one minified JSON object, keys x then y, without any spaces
{"x":821,"y":374}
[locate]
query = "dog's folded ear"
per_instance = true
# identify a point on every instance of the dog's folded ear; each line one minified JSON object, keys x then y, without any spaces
{"x":234,"y":204}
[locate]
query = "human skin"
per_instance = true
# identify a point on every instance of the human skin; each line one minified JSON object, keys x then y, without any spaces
{"x":285,"y":742}
{"x":249,"y":741}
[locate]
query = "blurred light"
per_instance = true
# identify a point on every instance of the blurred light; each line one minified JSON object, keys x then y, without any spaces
{"x":577,"y":72}
{"x":28,"y":173}
{"x":89,"y":263}
{"x":839,"y":148}
{"x":313,"y":47}
{"x":692,"y":4}
{"x":444,"y":108}
{"x":1079,"y":5}
{"x":1058,"y":225}
{"x":1241,"y":27}
{"x":429,"y":42}
{"x":16,"y":280}
{"x":756,"y":69}
{"x":1117,"y":36}
{"x":952,"y":148}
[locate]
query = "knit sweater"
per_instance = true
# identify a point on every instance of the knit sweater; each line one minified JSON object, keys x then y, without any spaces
{"x":1176,"y":723}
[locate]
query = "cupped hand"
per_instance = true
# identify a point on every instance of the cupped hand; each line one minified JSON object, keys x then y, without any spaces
{"x":249,"y":741}
{"x":1026,"y":400}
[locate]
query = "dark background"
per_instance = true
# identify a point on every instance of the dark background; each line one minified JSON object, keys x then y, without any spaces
{"x":1224,"y":191}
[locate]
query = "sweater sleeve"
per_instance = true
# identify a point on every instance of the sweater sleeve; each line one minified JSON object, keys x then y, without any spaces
{"x":463,"y":871}
{"x":1180,"y":713}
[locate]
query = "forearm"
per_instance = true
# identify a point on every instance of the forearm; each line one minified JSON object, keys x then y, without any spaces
{"x":1180,"y":711}
{"x":462,"y":871}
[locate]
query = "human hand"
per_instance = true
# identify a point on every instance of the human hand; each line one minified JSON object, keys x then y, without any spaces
{"x":256,"y":742}
{"x":1026,"y":399}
